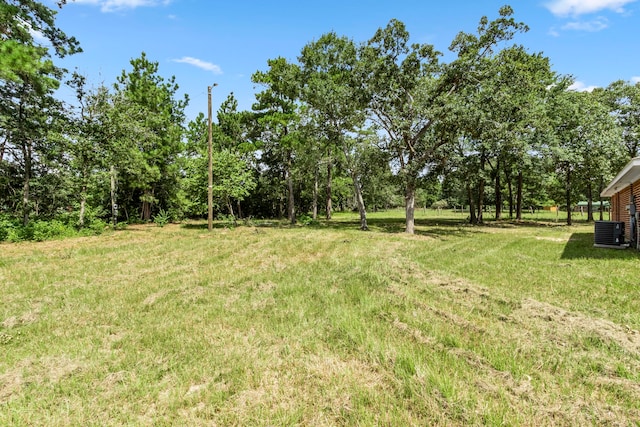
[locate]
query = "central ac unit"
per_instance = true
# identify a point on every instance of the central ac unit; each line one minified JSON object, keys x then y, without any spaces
{"x":609,"y":233}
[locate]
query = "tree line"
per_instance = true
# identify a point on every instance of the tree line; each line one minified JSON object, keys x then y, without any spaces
{"x":349,"y":125}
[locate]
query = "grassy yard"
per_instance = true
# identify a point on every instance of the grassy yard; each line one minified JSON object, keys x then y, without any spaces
{"x":266,"y":324}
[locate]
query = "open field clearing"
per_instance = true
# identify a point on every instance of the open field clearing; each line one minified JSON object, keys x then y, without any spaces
{"x":266,"y":324}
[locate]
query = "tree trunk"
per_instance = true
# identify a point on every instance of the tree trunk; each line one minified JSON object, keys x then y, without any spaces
{"x":83,"y":197}
{"x":480,"y":207}
{"x":589,"y":202}
{"x":146,"y":211}
{"x":26,"y":152}
{"x":83,"y":203}
{"x":315,"y":194}
{"x":360,"y":203}
{"x":281,"y":198}
{"x":2,"y":147}
{"x":472,"y":208}
{"x":410,"y":207}
{"x":291,"y":207}
{"x":329,"y":207}
{"x":498,"y":191}
{"x":147,"y":201}
{"x":601,"y":208}
{"x":519,"y":196}
{"x":114,"y":206}
{"x":481,"y":185}
{"x":568,"y":195}
{"x":510,"y":191}
{"x":230,"y":207}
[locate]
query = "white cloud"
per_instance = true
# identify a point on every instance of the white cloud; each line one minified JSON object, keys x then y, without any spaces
{"x":208,"y":66}
{"x":115,"y":5}
{"x":635,"y":79}
{"x":581,"y":87}
{"x":598,"y":24}
{"x":553,"y":32}
{"x":581,"y":7}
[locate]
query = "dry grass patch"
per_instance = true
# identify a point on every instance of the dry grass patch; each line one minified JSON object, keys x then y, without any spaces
{"x":326,"y":326}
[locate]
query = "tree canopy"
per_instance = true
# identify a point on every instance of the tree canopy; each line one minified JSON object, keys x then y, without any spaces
{"x":363,"y":125}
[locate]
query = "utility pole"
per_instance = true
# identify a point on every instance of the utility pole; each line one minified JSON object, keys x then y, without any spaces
{"x":210,"y":154}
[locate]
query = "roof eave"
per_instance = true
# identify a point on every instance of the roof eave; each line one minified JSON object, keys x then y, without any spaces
{"x":629,"y":174}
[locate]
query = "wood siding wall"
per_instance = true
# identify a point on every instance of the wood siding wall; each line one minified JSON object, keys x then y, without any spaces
{"x":619,"y":203}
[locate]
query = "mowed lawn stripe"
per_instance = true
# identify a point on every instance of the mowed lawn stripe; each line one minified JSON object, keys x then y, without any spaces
{"x":264,"y":325}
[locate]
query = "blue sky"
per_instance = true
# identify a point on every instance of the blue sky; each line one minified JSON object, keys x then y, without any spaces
{"x":202,"y":42}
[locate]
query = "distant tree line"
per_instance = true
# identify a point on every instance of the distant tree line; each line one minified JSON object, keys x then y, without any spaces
{"x":348,"y":126}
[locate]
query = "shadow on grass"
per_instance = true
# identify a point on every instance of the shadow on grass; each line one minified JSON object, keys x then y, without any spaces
{"x":580,"y":246}
{"x":426,"y":227}
{"x":275,"y":223}
{"x":205,"y":226}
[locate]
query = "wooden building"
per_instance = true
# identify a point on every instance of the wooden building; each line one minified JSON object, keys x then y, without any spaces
{"x":624,"y":192}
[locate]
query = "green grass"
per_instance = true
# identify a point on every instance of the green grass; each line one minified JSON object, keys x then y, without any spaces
{"x":502,"y":324}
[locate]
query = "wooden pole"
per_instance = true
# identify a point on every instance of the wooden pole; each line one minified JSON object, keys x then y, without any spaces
{"x":210,"y":155}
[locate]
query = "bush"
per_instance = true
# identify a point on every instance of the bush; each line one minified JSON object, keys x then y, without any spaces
{"x":47,"y":230}
{"x":97,"y":226}
{"x":228,"y":221}
{"x":11,"y":230}
{"x":161,"y":218}
{"x":6,"y":228}
{"x":306,"y":219}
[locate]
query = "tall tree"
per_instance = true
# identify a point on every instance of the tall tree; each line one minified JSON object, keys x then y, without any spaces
{"x":87,"y":139}
{"x":21,"y":57}
{"x":334,"y":91}
{"x":233,"y":155}
{"x":27,"y":105}
{"x":585,"y":139}
{"x":161,"y":119}
{"x":505,"y":112}
{"x":28,"y":111}
{"x":278,"y":119}
{"x":623,"y":99}
{"x":412,"y":92}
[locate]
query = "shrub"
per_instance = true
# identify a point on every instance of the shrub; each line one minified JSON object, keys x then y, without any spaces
{"x":161,"y":218}
{"x":228,"y":221}
{"x":47,"y":230}
{"x":306,"y":219}
{"x":97,"y":226}
{"x":11,"y":230}
{"x":6,"y":228}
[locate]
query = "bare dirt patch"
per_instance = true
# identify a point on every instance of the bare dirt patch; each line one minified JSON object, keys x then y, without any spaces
{"x":26,"y":318}
{"x":10,"y":384}
{"x":151,"y":299}
{"x":552,"y":239}
{"x":31,"y":371}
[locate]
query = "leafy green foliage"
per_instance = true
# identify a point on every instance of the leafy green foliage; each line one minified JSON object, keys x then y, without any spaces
{"x":149,"y":142}
{"x":440,"y":204}
{"x":162,"y":218}
{"x":233,"y":177}
{"x":63,"y":226}
{"x":623,"y":99}
{"x":361,"y":125}
{"x":22,"y":59}
{"x":306,"y":219}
